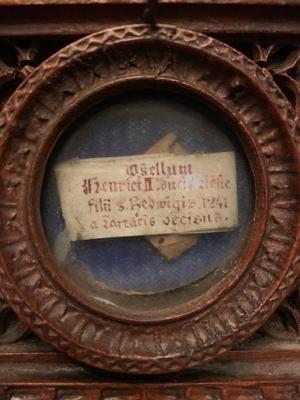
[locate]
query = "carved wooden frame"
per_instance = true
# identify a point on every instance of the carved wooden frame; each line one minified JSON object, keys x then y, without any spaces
{"x":32,"y":120}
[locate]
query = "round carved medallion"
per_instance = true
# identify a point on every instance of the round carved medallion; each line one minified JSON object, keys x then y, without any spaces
{"x":180,"y":327}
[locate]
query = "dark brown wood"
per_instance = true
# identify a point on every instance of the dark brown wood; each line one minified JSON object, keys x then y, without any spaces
{"x":246,"y":20}
{"x":234,"y":308}
{"x":184,"y":392}
{"x":238,"y":375}
{"x":268,"y":366}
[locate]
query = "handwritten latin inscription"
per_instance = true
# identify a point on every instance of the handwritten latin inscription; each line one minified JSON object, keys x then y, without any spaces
{"x":148,"y":195}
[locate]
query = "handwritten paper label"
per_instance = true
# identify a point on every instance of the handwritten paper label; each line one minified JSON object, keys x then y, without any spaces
{"x":151,"y":194}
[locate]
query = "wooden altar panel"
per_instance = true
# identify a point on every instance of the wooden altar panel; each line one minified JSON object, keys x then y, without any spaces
{"x":268,"y":369}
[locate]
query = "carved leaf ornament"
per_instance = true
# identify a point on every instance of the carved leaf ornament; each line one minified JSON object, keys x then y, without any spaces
{"x":32,"y":120}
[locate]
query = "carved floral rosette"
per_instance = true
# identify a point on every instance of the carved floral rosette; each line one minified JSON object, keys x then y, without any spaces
{"x":63,"y":87}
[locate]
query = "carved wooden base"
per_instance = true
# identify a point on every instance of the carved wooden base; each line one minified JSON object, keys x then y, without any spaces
{"x":244,"y":374}
{"x":268,"y":391}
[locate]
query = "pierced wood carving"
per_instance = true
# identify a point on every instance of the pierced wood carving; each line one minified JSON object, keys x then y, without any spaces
{"x":11,"y":328}
{"x":16,"y":63}
{"x":283,"y":62}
